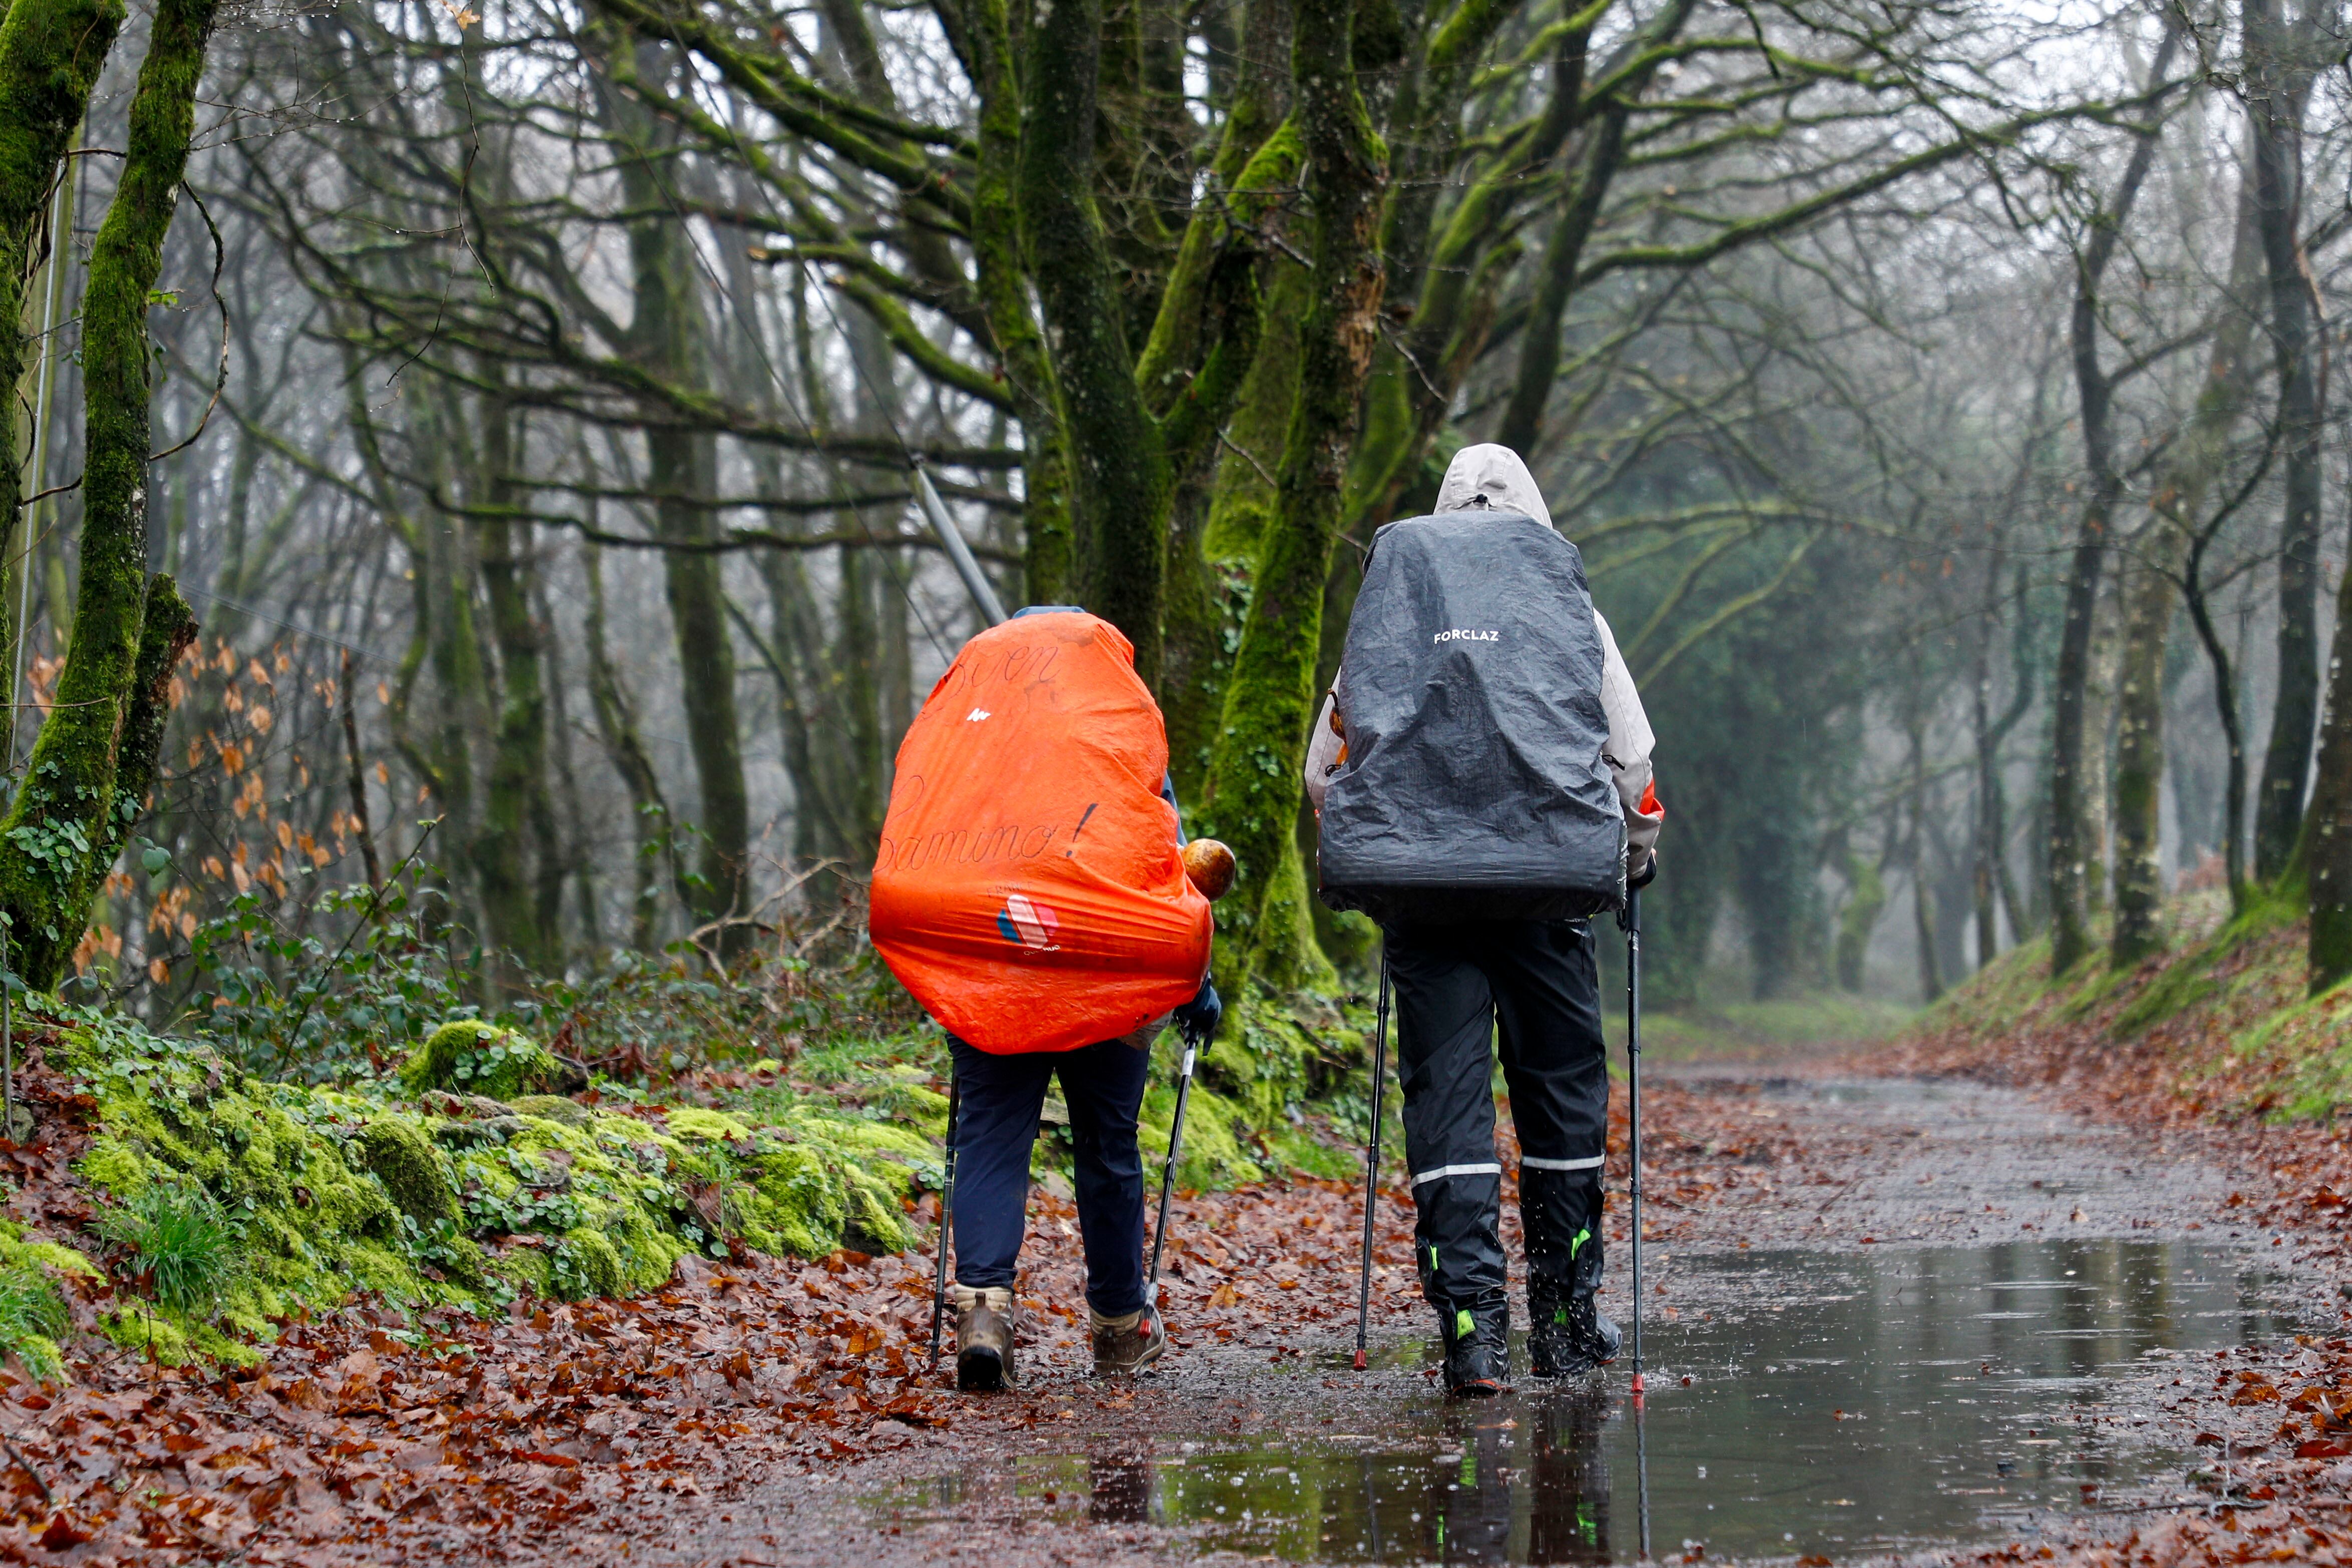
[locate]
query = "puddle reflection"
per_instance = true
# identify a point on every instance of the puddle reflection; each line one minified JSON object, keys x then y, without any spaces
{"x":1839,"y":1403}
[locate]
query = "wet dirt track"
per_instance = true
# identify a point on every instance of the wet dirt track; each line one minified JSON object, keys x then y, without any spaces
{"x":1909,"y":1313}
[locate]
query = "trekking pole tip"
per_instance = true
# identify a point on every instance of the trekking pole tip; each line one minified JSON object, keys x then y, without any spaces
{"x":1637,"y":1390}
{"x":1359,"y":1358}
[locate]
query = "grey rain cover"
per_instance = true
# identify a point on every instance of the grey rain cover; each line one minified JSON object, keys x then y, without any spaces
{"x":1470,"y":688}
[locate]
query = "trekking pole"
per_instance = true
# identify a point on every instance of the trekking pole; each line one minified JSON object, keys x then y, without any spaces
{"x":1641,"y":1475}
{"x":1634,"y":1107}
{"x":947,"y":1218}
{"x":1175,"y":1148}
{"x":1372,"y":1161}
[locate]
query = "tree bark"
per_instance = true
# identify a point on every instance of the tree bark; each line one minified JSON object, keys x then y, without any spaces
{"x":68,"y":818}
{"x":2278,"y":85}
{"x":363,"y":827}
{"x":1522,"y":420}
{"x":1923,"y":920}
{"x":2149,"y":598}
{"x":1003,"y":282}
{"x":1866,"y":885}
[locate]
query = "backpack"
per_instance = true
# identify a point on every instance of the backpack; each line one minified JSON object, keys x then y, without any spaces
{"x":1472,"y":786}
{"x":1028,"y":889}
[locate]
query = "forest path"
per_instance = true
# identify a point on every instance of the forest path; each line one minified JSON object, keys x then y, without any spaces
{"x":1886,"y":1314}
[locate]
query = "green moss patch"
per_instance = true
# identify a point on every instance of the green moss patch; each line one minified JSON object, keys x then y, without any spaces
{"x":429,"y":1188}
{"x":33,"y":1313}
{"x":469,"y":1056}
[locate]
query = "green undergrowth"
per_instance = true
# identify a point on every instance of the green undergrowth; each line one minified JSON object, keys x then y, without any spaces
{"x":34,"y":1317}
{"x":2220,"y":1016}
{"x":468,"y":1164}
{"x":230,"y":1202}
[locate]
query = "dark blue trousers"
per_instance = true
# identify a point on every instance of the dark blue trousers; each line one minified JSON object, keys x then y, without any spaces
{"x":996,"y":1126}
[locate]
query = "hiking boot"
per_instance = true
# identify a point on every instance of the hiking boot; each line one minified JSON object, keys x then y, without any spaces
{"x":1126,"y":1344}
{"x":1570,"y":1338}
{"x":983,"y":1338}
{"x":1477,"y":1349}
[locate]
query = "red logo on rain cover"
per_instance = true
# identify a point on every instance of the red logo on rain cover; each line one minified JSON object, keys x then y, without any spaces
{"x":1027,"y":923}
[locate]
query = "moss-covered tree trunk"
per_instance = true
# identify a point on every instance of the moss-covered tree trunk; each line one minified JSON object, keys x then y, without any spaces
{"x":2327,"y":848}
{"x":1867,"y":897}
{"x":1455,"y":273}
{"x":2153,"y":594}
{"x":1269,"y":701}
{"x":1254,"y":170}
{"x":2279,"y":85}
{"x":705,"y":657}
{"x":78,"y":793}
{"x":1120,"y":480}
{"x":1540,"y":343}
{"x":50,"y":52}
{"x":516,"y":800}
{"x":2149,"y":599}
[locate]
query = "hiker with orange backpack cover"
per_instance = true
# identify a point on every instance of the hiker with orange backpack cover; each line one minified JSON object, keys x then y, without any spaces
{"x":1031,"y":891}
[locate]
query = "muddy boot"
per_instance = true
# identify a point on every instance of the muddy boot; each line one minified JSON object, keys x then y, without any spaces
{"x":1128,"y":1344}
{"x":1568,"y":1337}
{"x":1477,"y":1347}
{"x":983,"y":1338}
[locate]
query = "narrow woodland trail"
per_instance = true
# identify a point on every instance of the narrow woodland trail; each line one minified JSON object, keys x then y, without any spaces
{"x":776,"y":1414}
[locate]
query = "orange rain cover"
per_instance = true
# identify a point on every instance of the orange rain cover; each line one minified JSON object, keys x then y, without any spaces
{"x":1028,"y":889}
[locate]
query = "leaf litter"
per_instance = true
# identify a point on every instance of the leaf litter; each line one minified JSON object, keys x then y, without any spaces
{"x":370,"y":1434}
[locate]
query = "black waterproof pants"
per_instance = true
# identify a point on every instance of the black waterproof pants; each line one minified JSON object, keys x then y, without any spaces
{"x":1534,"y":983}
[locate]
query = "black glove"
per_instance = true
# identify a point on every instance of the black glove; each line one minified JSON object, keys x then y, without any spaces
{"x":1646,"y":876}
{"x":1200,"y":1017}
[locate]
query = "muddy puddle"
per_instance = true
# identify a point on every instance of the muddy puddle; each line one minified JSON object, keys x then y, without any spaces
{"x":1802,"y":1404}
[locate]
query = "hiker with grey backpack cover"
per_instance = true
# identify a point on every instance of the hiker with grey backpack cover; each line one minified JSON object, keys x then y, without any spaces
{"x":1481,"y":774}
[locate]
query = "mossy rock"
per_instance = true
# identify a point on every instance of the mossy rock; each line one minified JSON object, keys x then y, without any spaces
{"x":396,"y":1151}
{"x":1213,"y":1154}
{"x":453,"y":1134}
{"x":793,"y":1206}
{"x":589,"y":1262}
{"x":707,"y":1126}
{"x":525,"y":1268}
{"x":337,"y":1192}
{"x":471,"y":1057}
{"x":316,"y":1224}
